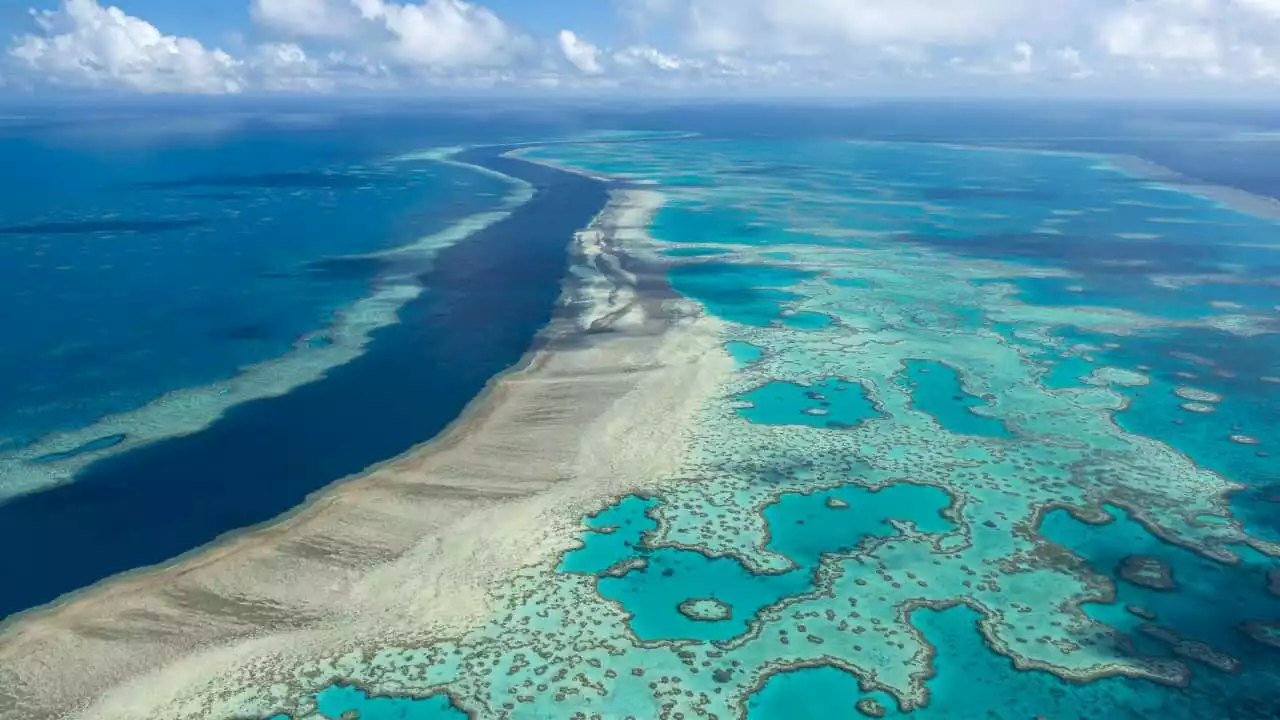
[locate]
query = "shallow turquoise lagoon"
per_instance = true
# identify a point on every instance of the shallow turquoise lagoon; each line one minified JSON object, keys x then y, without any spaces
{"x":656,"y":586}
{"x":654,"y":594}
{"x":807,"y":320}
{"x":936,"y":389}
{"x":971,"y":682}
{"x":1235,"y":592}
{"x":832,"y":403}
{"x":1204,"y":602}
{"x":1231,"y":435}
{"x":805,"y":527}
{"x":747,"y":294}
{"x":744,"y":353}
{"x":614,"y":535}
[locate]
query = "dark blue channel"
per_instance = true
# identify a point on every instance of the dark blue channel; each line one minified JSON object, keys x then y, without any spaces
{"x":486,"y":300}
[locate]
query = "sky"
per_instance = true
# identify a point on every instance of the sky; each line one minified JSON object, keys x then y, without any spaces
{"x":812,"y":48}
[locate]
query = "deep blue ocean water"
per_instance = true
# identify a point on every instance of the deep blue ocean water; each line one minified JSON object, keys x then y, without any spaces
{"x":485,"y":300}
{"x":130,"y":271}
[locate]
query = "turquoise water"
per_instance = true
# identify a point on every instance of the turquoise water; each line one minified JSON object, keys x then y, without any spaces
{"x":935,"y":388}
{"x":617,"y":533}
{"x":808,"y":321}
{"x":803,"y":528}
{"x":744,"y":353}
{"x":1113,"y":252}
{"x":936,"y":350}
{"x":1228,"y":366}
{"x":1236,"y":592}
{"x":653,"y":595}
{"x":747,"y":294}
{"x":832,"y":403}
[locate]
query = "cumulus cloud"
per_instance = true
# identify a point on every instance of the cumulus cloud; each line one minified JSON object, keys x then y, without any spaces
{"x":1270,"y":8}
{"x":753,"y":45}
{"x":83,"y":44}
{"x":647,"y":56}
{"x":810,"y":27}
{"x":286,"y":67}
{"x":430,"y":34}
{"x":580,"y":53}
{"x":1233,"y":39}
{"x":1162,"y":30}
{"x":306,"y":18}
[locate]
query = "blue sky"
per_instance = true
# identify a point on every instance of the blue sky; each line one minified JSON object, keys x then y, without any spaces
{"x":700,"y":47}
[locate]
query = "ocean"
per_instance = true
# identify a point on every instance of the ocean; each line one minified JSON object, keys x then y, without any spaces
{"x":998,"y":441}
{"x":223,"y":255}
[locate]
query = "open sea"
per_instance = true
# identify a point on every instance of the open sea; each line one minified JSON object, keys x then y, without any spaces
{"x":208,"y":293}
{"x":1000,"y":442}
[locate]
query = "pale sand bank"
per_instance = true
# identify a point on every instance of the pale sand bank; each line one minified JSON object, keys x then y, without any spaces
{"x":408,"y":553}
{"x":1241,"y":201}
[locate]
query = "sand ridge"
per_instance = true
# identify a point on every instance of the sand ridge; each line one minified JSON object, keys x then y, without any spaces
{"x":410,"y":551}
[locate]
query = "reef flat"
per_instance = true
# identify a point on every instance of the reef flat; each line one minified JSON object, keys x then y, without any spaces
{"x":911,"y":445}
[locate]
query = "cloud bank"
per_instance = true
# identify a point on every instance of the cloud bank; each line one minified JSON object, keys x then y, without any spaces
{"x":797,"y":46}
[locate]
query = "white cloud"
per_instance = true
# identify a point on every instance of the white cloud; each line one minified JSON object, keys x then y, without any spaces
{"x":647,"y":56}
{"x":1269,"y":8}
{"x":580,"y":53}
{"x":812,"y":27}
{"x":1107,"y":39}
{"x":83,"y":44}
{"x":437,"y":34}
{"x":306,"y":18}
{"x":1070,"y":63}
{"x":753,"y":45}
{"x":442,"y":32}
{"x":1228,"y":39}
{"x":286,"y":67}
{"x":1176,"y":30}
{"x":1024,"y":60}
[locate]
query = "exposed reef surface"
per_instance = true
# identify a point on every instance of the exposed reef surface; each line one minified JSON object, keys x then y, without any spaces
{"x":960,"y":485}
